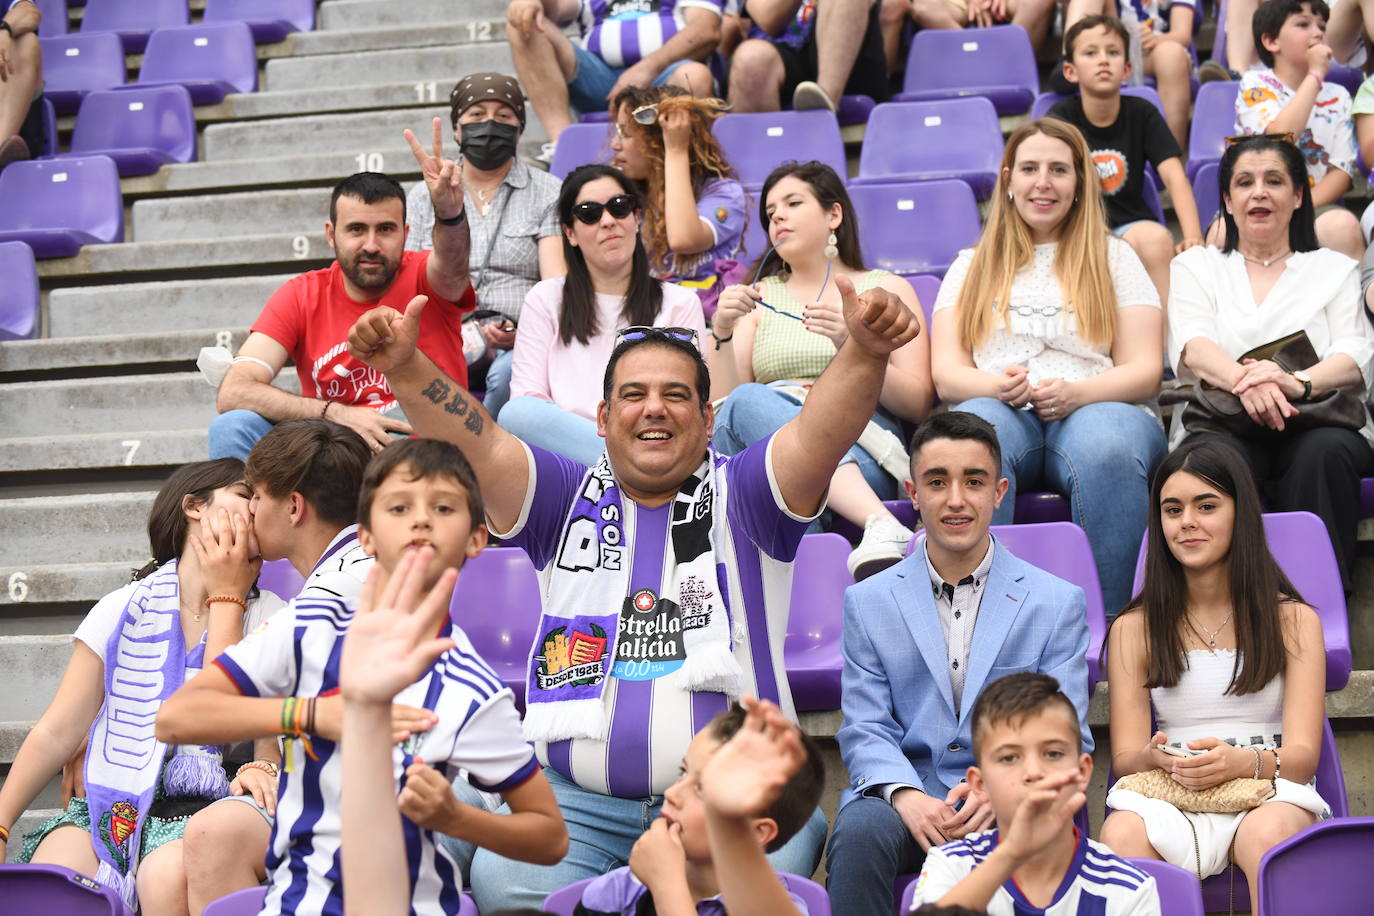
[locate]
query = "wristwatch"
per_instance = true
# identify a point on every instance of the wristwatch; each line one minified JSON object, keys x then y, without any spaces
{"x":1306,"y":383}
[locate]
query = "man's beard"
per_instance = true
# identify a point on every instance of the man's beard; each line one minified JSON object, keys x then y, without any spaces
{"x":370,"y":281}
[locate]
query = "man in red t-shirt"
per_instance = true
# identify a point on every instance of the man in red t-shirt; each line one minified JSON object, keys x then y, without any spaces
{"x":307,"y":320}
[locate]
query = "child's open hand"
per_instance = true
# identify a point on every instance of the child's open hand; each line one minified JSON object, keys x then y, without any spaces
{"x":748,"y":772}
{"x":1043,"y":814}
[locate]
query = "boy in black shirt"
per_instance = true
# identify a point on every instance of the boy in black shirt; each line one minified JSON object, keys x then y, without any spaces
{"x":1125,"y":132}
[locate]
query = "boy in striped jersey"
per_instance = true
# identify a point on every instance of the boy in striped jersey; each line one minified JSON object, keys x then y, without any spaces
{"x":419,"y":503}
{"x":1028,"y":760}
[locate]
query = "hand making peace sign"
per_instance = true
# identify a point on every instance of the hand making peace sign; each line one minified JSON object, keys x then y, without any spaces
{"x":442,"y":176}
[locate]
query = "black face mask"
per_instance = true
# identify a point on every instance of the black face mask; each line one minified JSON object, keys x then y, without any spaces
{"x":488,"y":144}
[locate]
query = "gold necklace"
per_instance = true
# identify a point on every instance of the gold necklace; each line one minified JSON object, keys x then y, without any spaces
{"x":1211,"y":634}
{"x":1286,"y":254}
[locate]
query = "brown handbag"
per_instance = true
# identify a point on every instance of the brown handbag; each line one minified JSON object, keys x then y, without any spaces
{"x":1212,"y":409}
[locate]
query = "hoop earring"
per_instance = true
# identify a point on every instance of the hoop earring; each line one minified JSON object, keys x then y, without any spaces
{"x":832,"y":250}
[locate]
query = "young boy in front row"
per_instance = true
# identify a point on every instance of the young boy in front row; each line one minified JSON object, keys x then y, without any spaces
{"x":1124,"y":132}
{"x":1028,"y":761}
{"x":419,"y":514}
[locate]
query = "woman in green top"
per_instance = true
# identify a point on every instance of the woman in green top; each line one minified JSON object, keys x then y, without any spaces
{"x":779,"y":334}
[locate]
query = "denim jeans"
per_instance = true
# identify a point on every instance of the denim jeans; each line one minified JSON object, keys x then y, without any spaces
{"x":870,"y":847}
{"x":753,"y":411}
{"x":603,"y":829}
{"x":498,"y":381}
{"x":546,"y":425}
{"x":234,"y":433}
{"x":1100,"y":457}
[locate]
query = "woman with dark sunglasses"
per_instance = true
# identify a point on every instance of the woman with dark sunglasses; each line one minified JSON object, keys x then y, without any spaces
{"x":568,"y":324}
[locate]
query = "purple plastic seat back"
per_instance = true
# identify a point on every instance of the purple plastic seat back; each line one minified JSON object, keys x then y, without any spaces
{"x":812,"y":894}
{"x":211,"y":60}
{"x":19,"y":300}
{"x":944,"y":138}
{"x":927,"y":287}
{"x":564,"y":901}
{"x":246,"y":902}
{"x":1302,"y":548}
{"x":1150,"y":192}
{"x":755,"y":236}
{"x":134,"y":22}
{"x":996,"y":62}
{"x":49,"y":146}
{"x":497,"y":604}
{"x":74,"y":65}
{"x":280,"y":578}
{"x":757,"y":143}
{"x":269,"y":20}
{"x":815,"y":621}
{"x":1207,"y":192}
{"x":140,"y":128}
{"x":58,"y":205}
{"x":1324,"y":868}
{"x":1047,"y":100}
{"x":581,"y":144}
{"x":57,"y":890}
{"x":1179,"y":892}
{"x":915,"y":227}
{"x":1214,"y":119}
{"x":54,"y":21}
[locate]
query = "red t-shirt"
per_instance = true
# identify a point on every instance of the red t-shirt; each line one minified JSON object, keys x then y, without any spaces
{"x":311,"y":315}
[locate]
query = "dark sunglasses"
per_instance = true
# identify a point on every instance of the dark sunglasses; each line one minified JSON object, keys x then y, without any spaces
{"x":589,"y":211}
{"x":641,"y":331}
{"x":1286,"y":137}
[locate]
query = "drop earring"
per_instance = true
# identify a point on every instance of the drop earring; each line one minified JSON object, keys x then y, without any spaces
{"x":832,"y":250}
{"x":1010,"y":199}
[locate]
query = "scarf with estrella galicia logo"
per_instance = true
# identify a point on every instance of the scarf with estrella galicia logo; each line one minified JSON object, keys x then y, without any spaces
{"x":686,"y":634}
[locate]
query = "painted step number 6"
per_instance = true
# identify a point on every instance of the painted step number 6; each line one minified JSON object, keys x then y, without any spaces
{"x":19,"y":586}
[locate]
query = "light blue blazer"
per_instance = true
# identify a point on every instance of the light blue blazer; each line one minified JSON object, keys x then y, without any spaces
{"x":899,"y":720}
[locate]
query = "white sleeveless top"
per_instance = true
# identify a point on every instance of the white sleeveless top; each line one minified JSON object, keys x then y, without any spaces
{"x":1199,"y":707}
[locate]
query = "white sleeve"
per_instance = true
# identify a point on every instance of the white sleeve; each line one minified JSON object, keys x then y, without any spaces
{"x":492,"y":747}
{"x":1145,"y":901}
{"x":939,"y":876}
{"x":99,"y":624}
{"x":1133,"y":285}
{"x":261,"y":608}
{"x":263,"y":663}
{"x":953,"y":282}
{"x":1192,"y":304}
{"x":1349,"y":329}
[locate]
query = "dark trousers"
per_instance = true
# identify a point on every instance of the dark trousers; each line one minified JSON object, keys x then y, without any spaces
{"x":869,"y":847}
{"x":1317,"y":471}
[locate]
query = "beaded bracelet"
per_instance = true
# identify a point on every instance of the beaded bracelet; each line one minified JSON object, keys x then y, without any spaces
{"x":4,"y":834}
{"x":1258,"y":762}
{"x":266,"y":766}
{"x":1277,"y":763}
{"x":227,"y":599}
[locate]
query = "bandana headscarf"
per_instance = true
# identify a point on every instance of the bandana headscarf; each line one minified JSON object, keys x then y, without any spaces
{"x":481,"y":87}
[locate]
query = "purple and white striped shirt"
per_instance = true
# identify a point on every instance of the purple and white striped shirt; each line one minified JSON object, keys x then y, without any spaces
{"x":653,"y":721}
{"x":622,"y":32}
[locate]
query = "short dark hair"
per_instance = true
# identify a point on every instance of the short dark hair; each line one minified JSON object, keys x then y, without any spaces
{"x":799,"y":798}
{"x":370,"y":188}
{"x":425,"y":458}
{"x":957,"y":424}
{"x":321,"y":460}
{"x":1110,"y":23}
{"x":1272,"y":14}
{"x":656,"y":338}
{"x":1302,"y":228}
{"x":1014,"y":699}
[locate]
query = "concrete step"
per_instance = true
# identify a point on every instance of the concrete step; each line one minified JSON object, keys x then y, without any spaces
{"x":370,"y":132}
{"x":82,"y":584}
{"x":83,"y":355}
{"x":133,"y":403}
{"x":362,"y":14}
{"x":196,"y":258}
{"x":33,"y":668}
{"x":298,"y":170}
{"x":214,"y":216}
{"x":203,"y":306}
{"x":90,"y":527}
{"x":166,"y":448}
{"x":454,"y":28}
{"x":393,"y":66}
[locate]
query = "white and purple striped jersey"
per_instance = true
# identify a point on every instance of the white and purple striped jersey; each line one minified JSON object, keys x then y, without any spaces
{"x":653,"y":720}
{"x":623,"y":32}
{"x":1097,"y":883}
{"x":296,"y":653}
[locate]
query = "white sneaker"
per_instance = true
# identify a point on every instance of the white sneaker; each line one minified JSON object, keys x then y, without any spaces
{"x":809,"y":96}
{"x":884,"y":543}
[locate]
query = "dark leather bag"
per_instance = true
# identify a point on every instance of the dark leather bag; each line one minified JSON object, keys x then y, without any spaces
{"x":1211,"y":409}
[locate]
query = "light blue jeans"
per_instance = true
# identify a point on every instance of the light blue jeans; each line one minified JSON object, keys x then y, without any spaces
{"x":498,"y":381}
{"x":546,"y":425}
{"x":602,"y":829}
{"x":1100,"y":458}
{"x":234,"y":432}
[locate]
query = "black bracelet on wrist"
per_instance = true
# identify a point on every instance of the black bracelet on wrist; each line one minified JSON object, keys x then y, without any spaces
{"x":720,"y":340}
{"x":452,"y":220}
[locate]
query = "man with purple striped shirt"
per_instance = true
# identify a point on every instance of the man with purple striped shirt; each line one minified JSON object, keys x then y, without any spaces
{"x":669,"y":533}
{"x":621,"y":43}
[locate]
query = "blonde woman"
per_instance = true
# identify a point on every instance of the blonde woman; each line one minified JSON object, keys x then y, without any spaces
{"x":1051,"y":330}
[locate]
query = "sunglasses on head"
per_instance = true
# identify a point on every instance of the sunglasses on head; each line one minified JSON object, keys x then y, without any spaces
{"x":1286,"y":137}
{"x":589,"y":211}
{"x":641,"y":331}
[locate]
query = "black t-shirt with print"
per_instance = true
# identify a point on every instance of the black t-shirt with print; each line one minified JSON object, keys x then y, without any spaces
{"x":1120,"y":150}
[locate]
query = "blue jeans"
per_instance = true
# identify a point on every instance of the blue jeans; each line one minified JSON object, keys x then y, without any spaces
{"x":870,"y":847}
{"x":234,"y":433}
{"x":603,"y":829}
{"x":546,"y":425}
{"x":593,"y":79}
{"x":753,"y":412}
{"x":498,"y":381}
{"x":1100,"y":457}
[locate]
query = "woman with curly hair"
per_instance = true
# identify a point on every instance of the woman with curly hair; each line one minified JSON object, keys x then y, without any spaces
{"x":694,"y":210}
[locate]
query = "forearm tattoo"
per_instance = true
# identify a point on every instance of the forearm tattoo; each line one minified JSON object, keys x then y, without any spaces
{"x":451,"y":397}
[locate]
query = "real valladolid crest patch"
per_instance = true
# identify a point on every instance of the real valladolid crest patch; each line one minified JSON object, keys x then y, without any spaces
{"x":115,"y":828}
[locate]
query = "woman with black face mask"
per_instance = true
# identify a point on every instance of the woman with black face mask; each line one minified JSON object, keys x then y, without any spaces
{"x":516,"y":238}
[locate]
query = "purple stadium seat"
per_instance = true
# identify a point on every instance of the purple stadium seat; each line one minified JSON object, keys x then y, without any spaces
{"x":927,"y":288}
{"x":815,"y":622}
{"x":134,"y":22}
{"x":755,"y":144}
{"x":1319,"y":870}
{"x":1041,"y":507}
{"x":280,"y":578}
{"x":1214,"y":119}
{"x":270,"y":20}
{"x":74,"y":65}
{"x":246,"y":902}
{"x":755,"y":236}
{"x":49,"y":146}
{"x":1179,"y":892}
{"x":141,"y":129}
{"x":1150,"y":189}
{"x":564,"y":901}
{"x":58,"y":206}
{"x":1367,"y":497}
{"x":581,"y":144}
{"x":997,"y":63}
{"x":1047,"y":100}
{"x":943,"y":138}
{"x":915,"y":227}
{"x":1302,"y":548}
{"x":19,"y":302}
{"x":54,"y":21}
{"x":57,"y":890}
{"x":211,"y":60}
{"x":497,"y":604}
{"x":1206,"y":192}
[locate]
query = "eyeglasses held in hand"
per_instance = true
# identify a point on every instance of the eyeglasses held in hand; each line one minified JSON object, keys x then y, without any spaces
{"x":641,"y":331}
{"x":589,"y":211}
{"x":1286,"y":137}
